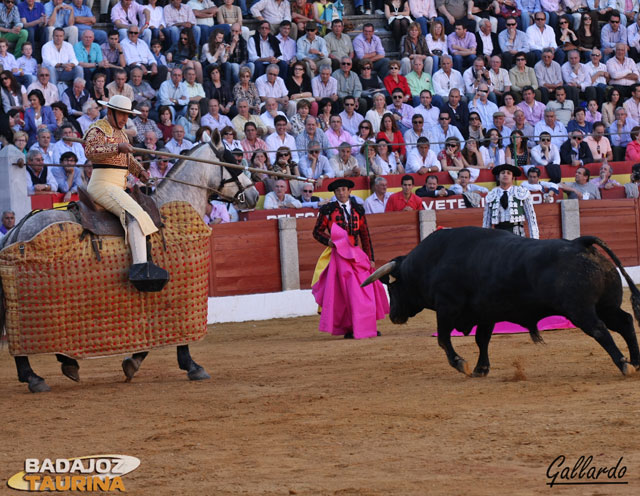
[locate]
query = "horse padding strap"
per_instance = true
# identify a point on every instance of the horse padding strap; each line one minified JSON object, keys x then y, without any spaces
{"x":60,"y":299}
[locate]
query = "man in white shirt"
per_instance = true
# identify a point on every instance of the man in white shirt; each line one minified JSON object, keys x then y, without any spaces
{"x":350,"y":118}
{"x":447,"y":78}
{"x":281,"y":138}
{"x":270,"y":113}
{"x":474,"y":76}
{"x":278,"y":198}
{"x":205,"y":12}
{"x":43,"y":83}
{"x":543,"y":36}
{"x":60,"y":58}
{"x":288,"y":47}
{"x":137,"y":54}
{"x":43,"y":145}
{"x":173,"y":93}
{"x":63,"y":146}
{"x":178,"y":143}
{"x":422,"y":160}
{"x":623,"y":71}
{"x":554,"y":127}
{"x":575,"y":75}
{"x":481,"y":104}
{"x":270,"y":85}
{"x":428,"y":111}
{"x":533,"y":184}
{"x":417,"y":131}
{"x":214,"y":119}
{"x":274,"y":11}
{"x":377,"y":202}
{"x":177,"y":16}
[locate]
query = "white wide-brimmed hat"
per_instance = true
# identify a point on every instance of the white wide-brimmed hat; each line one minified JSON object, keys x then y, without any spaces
{"x":120,"y":103}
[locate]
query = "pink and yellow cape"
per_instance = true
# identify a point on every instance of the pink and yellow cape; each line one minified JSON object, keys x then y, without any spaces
{"x":336,"y":287}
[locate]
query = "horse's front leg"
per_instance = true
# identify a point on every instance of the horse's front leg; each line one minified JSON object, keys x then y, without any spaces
{"x":26,"y":374}
{"x":130,"y":365}
{"x":195,"y":372}
{"x":69,"y":367}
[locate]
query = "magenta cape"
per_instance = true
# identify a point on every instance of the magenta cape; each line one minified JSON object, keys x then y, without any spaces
{"x":345,"y":305}
{"x":546,"y":324}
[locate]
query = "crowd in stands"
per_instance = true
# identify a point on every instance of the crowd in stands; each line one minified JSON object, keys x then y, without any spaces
{"x":473,"y":84}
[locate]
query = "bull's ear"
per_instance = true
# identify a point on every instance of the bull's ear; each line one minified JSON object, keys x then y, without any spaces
{"x":391,"y":279}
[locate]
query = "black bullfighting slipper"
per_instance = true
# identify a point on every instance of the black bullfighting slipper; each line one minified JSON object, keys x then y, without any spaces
{"x":349,"y":335}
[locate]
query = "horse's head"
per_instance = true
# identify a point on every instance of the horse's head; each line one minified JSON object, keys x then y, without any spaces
{"x":238,"y":186}
{"x":234,"y":183}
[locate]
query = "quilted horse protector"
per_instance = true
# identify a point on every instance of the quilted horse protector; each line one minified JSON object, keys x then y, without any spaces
{"x":60,"y":298}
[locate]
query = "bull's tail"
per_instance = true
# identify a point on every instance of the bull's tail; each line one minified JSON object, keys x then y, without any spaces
{"x":635,"y":293}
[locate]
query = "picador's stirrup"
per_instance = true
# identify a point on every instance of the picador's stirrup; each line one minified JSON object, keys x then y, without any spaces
{"x":148,"y":277}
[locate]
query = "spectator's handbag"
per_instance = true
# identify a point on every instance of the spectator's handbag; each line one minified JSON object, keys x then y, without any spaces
{"x":507,"y":11}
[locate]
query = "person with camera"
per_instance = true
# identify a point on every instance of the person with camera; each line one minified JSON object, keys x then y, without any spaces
{"x":481,"y":104}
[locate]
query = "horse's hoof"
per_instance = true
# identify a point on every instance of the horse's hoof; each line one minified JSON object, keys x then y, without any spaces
{"x":37,"y":385}
{"x":481,"y":372}
{"x":130,"y":367}
{"x":463,"y":366}
{"x":627,"y":369}
{"x":71,"y":371}
{"x":198,"y":374}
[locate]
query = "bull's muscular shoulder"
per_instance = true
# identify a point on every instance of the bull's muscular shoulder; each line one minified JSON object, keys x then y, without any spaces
{"x":327,"y":208}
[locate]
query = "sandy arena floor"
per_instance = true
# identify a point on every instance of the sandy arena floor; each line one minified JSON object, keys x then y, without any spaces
{"x":290,"y":410}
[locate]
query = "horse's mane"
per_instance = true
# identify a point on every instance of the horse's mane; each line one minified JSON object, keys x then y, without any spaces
{"x":178,"y":165}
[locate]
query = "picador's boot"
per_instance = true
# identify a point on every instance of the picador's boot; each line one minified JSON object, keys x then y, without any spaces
{"x":143,"y":274}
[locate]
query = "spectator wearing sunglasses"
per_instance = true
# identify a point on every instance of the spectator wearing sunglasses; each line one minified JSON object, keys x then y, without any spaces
{"x":308,"y":199}
{"x":575,"y":151}
{"x":546,"y":154}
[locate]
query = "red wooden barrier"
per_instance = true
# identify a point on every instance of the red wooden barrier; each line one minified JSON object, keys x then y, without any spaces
{"x":245,"y":258}
{"x":615,"y":221}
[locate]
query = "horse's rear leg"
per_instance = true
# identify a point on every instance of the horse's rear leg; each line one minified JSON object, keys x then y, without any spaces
{"x":26,"y":374}
{"x":69,"y":367}
{"x":195,"y":372}
{"x":130,"y":365}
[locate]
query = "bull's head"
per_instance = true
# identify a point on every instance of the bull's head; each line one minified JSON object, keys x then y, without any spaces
{"x":399,"y":294}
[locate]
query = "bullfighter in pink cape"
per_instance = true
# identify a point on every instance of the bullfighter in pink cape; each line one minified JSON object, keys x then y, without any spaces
{"x":347,"y":309}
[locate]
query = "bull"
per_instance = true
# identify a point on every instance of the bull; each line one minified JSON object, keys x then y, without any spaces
{"x":473,"y":276}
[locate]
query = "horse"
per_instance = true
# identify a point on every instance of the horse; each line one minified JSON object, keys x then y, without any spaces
{"x":189,"y":181}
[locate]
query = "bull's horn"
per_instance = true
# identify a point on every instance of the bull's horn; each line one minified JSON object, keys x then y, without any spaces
{"x":382,"y":271}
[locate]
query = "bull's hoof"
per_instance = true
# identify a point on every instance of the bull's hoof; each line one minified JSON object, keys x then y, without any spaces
{"x":130,"y":366}
{"x":71,"y":371}
{"x":627,"y":369}
{"x":198,"y":374}
{"x":37,"y":385}
{"x":463,"y":366}
{"x":480,"y":372}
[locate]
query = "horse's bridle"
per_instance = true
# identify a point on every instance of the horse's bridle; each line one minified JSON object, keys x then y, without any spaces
{"x":234,"y":174}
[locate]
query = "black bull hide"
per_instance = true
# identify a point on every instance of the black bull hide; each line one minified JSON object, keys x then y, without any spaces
{"x":472,"y":276}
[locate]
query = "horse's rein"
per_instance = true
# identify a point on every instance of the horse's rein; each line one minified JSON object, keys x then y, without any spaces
{"x":154,"y":180}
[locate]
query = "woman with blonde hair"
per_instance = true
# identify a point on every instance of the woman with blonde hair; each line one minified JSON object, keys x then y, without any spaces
{"x":437,"y":43}
{"x":414,"y":46}
{"x":375,"y":114}
{"x":245,"y":88}
{"x":451,"y":158}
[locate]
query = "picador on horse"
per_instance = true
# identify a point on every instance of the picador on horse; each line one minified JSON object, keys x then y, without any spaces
{"x":68,"y":287}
